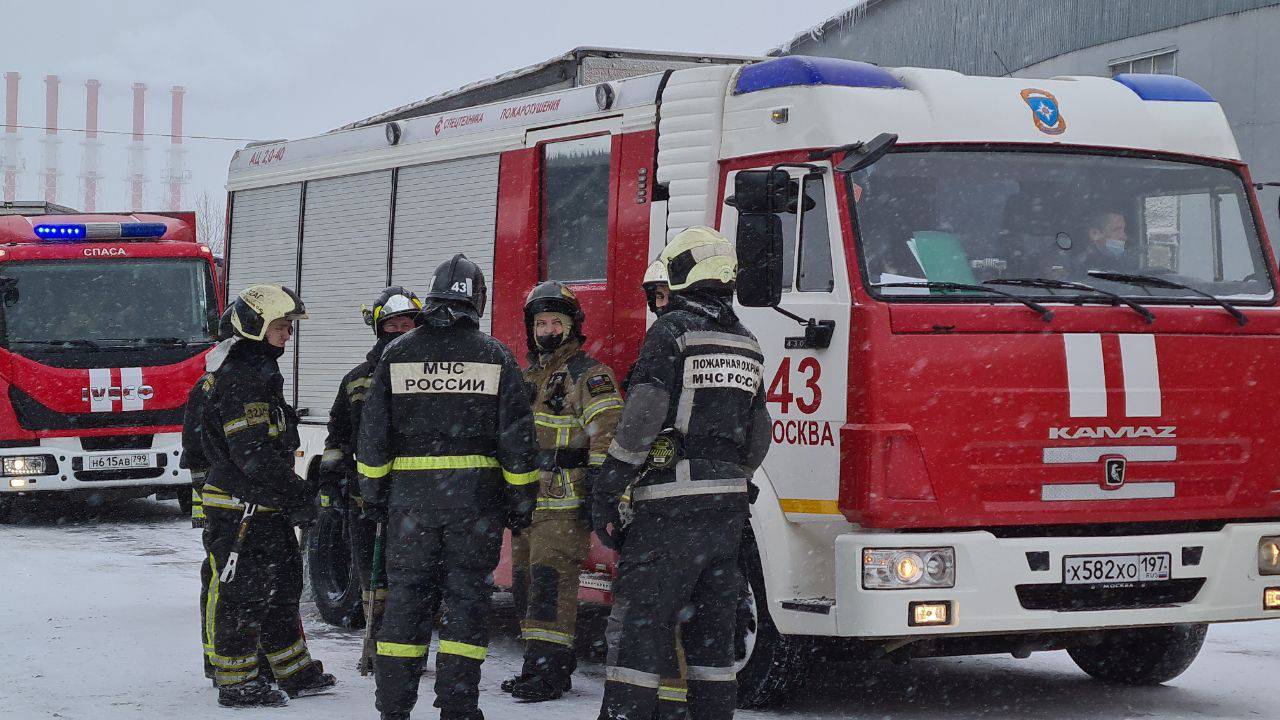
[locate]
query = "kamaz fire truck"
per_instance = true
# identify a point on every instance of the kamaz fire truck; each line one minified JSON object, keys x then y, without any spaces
{"x":104,"y":322}
{"x":1021,"y":334}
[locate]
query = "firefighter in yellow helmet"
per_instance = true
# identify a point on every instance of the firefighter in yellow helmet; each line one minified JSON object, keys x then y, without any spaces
{"x":576,"y":408}
{"x":252,"y":501}
{"x":693,"y":431}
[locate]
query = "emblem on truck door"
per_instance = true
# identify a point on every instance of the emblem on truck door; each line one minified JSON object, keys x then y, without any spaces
{"x":1114,"y":472}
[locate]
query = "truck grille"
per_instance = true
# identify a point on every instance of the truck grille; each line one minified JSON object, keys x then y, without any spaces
{"x":1072,"y":598}
{"x":33,"y":415}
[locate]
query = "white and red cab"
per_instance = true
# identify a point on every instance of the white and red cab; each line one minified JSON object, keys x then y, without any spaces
{"x":979,"y":446}
{"x":104,"y":325}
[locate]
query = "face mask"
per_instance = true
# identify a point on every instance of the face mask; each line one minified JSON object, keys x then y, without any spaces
{"x":549,"y":342}
{"x":1115,"y":247}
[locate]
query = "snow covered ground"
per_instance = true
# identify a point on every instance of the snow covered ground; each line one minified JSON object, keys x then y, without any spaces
{"x":100,"y":621}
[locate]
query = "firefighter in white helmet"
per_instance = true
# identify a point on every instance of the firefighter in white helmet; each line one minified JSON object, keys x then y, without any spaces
{"x":252,"y":500}
{"x":692,"y":433}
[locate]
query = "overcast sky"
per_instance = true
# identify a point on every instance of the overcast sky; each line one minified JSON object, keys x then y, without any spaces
{"x":273,"y":69}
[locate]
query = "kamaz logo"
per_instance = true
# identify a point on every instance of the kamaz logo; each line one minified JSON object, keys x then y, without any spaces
{"x":116,"y":393}
{"x":1110,"y":433}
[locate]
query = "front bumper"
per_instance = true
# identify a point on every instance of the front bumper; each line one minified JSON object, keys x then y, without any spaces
{"x":69,"y":462}
{"x":997,"y":591}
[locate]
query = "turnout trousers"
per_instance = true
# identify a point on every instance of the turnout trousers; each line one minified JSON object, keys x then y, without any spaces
{"x":546,"y":560}
{"x":677,"y":571}
{"x":362,"y":532}
{"x":257,"y":610}
{"x":433,"y":557}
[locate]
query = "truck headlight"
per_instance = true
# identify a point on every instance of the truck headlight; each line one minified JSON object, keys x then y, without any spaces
{"x":903,"y":568}
{"x":16,"y":465}
{"x":1269,"y":555}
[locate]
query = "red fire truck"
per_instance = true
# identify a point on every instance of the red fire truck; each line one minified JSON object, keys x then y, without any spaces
{"x":1028,"y":402}
{"x":104,"y":324}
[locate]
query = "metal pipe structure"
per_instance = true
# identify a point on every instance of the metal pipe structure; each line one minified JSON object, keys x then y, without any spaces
{"x":51,"y":139}
{"x":178,"y":174}
{"x":138,"y":150}
{"x":90,"y":175}
{"x":10,"y":158}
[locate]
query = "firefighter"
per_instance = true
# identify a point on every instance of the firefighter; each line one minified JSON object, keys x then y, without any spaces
{"x":576,"y":408}
{"x":193,"y":459}
{"x":447,"y":457}
{"x":657,"y":290}
{"x":692,"y":433}
{"x":252,"y":500}
{"x":394,"y":312}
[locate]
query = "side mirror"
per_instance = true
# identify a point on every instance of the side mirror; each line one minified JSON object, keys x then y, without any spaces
{"x":759,"y":259}
{"x":763,"y":191}
{"x":866,"y":154}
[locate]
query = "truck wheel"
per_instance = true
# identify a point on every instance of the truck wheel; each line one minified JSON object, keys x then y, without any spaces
{"x":769,"y":664}
{"x":1141,"y":656}
{"x":8,"y":509}
{"x":333,"y":579}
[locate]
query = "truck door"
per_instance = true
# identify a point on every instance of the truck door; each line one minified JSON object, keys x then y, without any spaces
{"x":805,"y":386}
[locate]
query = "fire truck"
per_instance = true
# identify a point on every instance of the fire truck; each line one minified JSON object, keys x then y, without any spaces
{"x":1020,"y":334}
{"x":104,"y":323}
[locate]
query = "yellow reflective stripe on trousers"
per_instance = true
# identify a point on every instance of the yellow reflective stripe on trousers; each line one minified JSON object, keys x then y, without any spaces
{"x":211,"y":607}
{"x":550,"y":636}
{"x":373,"y":471}
{"x":443,"y":462}
{"x":452,"y":647}
{"x":282,"y":655}
{"x":404,"y":650}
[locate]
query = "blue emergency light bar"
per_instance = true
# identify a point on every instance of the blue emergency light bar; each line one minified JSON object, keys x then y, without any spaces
{"x":803,"y":70}
{"x":100,"y":231}
{"x":1167,"y":88}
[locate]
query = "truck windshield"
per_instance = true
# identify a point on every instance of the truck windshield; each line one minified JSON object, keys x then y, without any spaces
{"x":126,"y":302}
{"x":971,"y":216}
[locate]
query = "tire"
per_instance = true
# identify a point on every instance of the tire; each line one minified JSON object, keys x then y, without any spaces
{"x":334,"y":582}
{"x":1141,"y":656}
{"x":8,"y":510}
{"x":769,"y":664}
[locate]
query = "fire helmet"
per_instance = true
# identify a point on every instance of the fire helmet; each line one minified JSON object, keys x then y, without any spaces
{"x":655,"y":276}
{"x":556,"y":297}
{"x":225,"y":328}
{"x":700,"y":258}
{"x":395,"y":301}
{"x":459,"y":281}
{"x":258,"y":306}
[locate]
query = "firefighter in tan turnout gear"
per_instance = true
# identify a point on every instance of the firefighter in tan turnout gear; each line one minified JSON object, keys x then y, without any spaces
{"x":576,"y":408}
{"x":253,"y":499}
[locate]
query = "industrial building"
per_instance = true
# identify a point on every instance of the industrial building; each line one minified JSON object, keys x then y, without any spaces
{"x":1227,"y":46}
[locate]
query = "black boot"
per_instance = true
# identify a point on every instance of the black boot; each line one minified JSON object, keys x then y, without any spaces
{"x":510,"y":682}
{"x":395,"y":716}
{"x":308,"y":681}
{"x":534,"y":688}
{"x":469,"y":714}
{"x":255,"y":692}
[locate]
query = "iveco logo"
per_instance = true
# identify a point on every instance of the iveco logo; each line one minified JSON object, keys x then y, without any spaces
{"x":1109,"y":433}
{"x":116,"y":393}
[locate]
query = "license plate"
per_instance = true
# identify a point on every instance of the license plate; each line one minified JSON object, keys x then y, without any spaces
{"x":118,"y":462}
{"x":1106,"y":569}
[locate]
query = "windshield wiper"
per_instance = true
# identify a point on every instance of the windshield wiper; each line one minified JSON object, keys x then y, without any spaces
{"x":91,"y":345}
{"x":1045,"y":312}
{"x":1051,"y":284}
{"x":1159,"y":282}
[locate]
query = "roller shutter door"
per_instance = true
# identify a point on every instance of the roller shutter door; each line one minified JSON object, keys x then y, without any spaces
{"x":344,"y":265}
{"x":264,"y":245}
{"x":442,"y":209}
